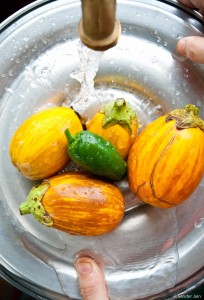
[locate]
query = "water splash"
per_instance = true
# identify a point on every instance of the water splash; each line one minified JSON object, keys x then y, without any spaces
{"x":85,"y":74}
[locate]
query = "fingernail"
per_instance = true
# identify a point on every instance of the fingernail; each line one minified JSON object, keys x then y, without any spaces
{"x":181,"y":46}
{"x":84,"y":267}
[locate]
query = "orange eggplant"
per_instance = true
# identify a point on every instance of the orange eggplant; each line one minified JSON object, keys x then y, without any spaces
{"x":166,"y":162}
{"x":38,"y":148}
{"x":76,"y":203}
{"x":117,"y":123}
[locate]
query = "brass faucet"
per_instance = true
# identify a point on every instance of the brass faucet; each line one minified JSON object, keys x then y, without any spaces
{"x":98,"y":28}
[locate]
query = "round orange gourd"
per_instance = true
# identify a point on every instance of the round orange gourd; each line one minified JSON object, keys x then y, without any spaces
{"x":38,"y":148}
{"x":117,"y":123}
{"x":76,"y":203}
{"x":166,"y":162}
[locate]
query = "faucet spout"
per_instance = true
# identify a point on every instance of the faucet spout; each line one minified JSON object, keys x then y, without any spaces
{"x":98,"y":28}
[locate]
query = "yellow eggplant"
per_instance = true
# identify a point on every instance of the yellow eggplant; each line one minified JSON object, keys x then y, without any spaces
{"x":166,"y":162}
{"x":117,"y":123}
{"x":38,"y":148}
{"x":76,"y":203}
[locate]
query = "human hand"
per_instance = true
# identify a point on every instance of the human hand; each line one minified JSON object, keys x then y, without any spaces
{"x":91,"y":279}
{"x":193,"y":46}
{"x":194,"y":4}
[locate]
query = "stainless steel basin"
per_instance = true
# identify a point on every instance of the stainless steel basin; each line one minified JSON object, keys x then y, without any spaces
{"x":154,"y":253}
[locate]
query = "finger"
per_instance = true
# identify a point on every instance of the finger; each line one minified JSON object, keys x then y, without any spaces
{"x":188,"y":3}
{"x":91,"y":280}
{"x":198,"y":4}
{"x":192,"y":47}
{"x":194,"y":4}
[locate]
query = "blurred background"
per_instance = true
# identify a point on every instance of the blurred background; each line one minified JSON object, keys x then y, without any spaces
{"x":12,"y":6}
{"x":7,"y":291}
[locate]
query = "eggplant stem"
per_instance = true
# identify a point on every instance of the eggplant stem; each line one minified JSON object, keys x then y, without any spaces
{"x":119,"y":112}
{"x":33,"y":204}
{"x":186,"y":118}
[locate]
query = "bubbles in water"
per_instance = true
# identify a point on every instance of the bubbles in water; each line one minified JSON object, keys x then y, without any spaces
{"x":39,"y":74}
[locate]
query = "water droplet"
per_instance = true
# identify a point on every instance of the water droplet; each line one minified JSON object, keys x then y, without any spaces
{"x":45,"y":41}
{"x":186,"y":75}
{"x":10,"y":72}
{"x":158,"y":39}
{"x":25,"y":39}
{"x":165,"y":44}
{"x":9,"y":90}
{"x":199,"y":223}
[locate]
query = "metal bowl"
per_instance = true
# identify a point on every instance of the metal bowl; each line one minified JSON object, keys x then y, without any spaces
{"x":154,"y":253}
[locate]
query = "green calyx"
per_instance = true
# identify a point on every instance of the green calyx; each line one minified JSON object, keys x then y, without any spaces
{"x":187,"y":117}
{"x":33,"y":204}
{"x":119,"y":112}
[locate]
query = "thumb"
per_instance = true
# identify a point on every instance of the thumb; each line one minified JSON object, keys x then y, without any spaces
{"x":192,"y":47}
{"x":91,"y":279}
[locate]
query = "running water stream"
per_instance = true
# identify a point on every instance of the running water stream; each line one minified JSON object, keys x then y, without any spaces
{"x":85,"y":74}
